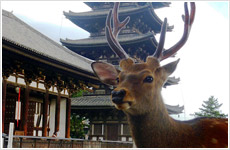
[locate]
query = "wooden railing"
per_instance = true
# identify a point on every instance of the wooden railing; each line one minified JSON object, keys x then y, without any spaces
{"x":51,"y":142}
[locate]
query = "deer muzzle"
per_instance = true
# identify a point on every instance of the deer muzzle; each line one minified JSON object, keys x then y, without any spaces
{"x":118,"y":96}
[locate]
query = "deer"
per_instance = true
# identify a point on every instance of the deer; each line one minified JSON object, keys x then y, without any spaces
{"x":137,"y":92}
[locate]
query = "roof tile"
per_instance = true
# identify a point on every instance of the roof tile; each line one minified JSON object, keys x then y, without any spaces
{"x":104,"y":100}
{"x":18,"y":32}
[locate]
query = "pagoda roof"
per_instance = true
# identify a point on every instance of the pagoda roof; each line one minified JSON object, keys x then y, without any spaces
{"x":101,"y":40}
{"x":154,"y":4}
{"x":94,"y":21}
{"x":17,"y":32}
{"x":94,"y":47}
{"x":93,"y":102}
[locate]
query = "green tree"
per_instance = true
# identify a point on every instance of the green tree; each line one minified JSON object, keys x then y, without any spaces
{"x":79,"y":93}
{"x":79,"y":126}
{"x":210,"y":109}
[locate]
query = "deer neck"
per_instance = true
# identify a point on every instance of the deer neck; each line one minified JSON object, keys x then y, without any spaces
{"x":155,"y":127}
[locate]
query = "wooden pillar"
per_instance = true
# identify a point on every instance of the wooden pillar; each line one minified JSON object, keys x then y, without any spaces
{"x":68,"y":115}
{"x":45,"y":112}
{"x":57,"y":114}
{"x":4,"y":86}
{"x":26,"y":107}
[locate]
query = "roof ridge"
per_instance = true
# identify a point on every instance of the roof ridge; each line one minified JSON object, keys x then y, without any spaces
{"x":104,"y":11}
{"x":31,"y":28}
{"x":99,"y":40}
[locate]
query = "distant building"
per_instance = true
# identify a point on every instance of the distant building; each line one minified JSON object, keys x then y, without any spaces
{"x":107,"y":123}
{"x":138,"y":38}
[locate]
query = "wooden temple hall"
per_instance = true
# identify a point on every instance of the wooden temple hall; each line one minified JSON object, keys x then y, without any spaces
{"x":38,"y":78}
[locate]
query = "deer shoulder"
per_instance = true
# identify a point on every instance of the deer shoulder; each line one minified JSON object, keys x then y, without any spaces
{"x":214,"y":132}
{"x":206,"y":132}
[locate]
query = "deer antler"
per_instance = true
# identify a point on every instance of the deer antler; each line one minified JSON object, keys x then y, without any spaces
{"x":160,"y":47}
{"x":161,"y":54}
{"x":112,"y":36}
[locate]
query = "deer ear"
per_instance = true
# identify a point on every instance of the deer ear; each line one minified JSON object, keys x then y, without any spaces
{"x":171,"y":67}
{"x":107,"y":73}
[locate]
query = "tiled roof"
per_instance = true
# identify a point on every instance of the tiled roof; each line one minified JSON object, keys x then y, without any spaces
{"x":171,"y":81}
{"x":101,"y":40}
{"x":91,"y":101}
{"x":87,"y":20}
{"x":19,"y":33}
{"x":104,"y":100}
{"x":154,"y":4}
{"x":104,"y":13}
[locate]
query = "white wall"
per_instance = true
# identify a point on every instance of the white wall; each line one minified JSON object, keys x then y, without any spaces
{"x":62,"y":118}
{"x":52,"y":116}
{"x":62,"y":125}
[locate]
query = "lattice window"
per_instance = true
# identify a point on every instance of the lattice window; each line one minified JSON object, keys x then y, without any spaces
{"x":126,"y":129}
{"x":30,"y":123}
{"x":98,"y":129}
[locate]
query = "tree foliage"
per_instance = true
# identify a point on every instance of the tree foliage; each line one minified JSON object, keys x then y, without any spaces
{"x":79,"y":126}
{"x":210,"y":108}
{"x":79,"y":93}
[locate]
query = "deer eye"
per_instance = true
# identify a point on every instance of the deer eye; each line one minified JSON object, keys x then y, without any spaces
{"x":148,"y":79}
{"x":117,"y":80}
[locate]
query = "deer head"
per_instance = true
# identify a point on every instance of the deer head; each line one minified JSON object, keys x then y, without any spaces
{"x":138,"y":85}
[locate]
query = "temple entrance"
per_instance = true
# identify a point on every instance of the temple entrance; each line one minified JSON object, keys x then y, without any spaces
{"x":10,"y":111}
{"x":31,"y":112}
{"x":112,"y":132}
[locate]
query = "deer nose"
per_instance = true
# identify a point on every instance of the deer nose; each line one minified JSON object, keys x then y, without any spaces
{"x":117,"y":96}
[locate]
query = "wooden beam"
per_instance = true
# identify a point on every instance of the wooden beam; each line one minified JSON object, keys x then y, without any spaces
{"x":35,"y":89}
{"x":4,"y":85}
{"x":68,"y":115}
{"x":45,"y":115}
{"x":71,"y":69}
{"x":26,"y":108}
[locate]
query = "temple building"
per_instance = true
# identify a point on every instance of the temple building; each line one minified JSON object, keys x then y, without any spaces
{"x":38,"y":78}
{"x":137,"y":39}
{"x":106,"y":122}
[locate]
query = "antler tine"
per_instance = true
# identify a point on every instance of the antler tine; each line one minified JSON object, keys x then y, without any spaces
{"x":188,"y":21}
{"x":117,"y":24}
{"x":112,"y":35}
{"x":192,"y":12}
{"x":160,"y":47}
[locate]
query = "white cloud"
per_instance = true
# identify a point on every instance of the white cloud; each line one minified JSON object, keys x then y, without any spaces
{"x":44,"y":11}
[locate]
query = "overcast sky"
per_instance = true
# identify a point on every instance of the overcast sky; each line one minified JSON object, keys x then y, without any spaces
{"x":204,"y":60}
